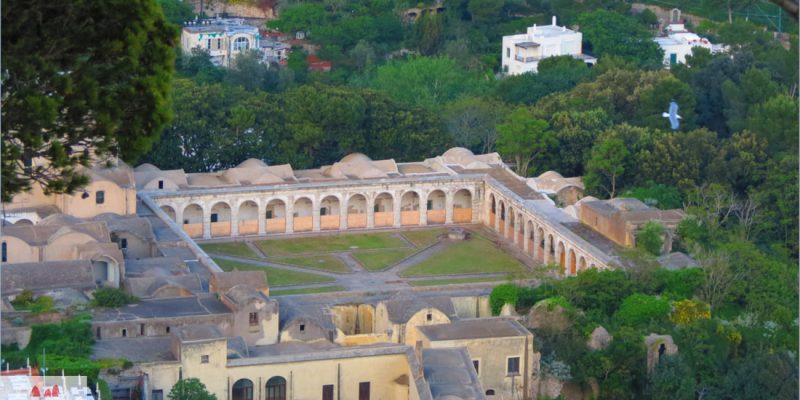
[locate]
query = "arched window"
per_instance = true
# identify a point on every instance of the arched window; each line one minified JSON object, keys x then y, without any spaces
{"x":276,"y":388}
{"x":241,"y":43}
{"x":243,"y":390}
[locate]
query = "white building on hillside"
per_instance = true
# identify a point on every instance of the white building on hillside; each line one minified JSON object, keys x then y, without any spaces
{"x":522,"y":53}
{"x":678,"y":43}
{"x":223,"y":39}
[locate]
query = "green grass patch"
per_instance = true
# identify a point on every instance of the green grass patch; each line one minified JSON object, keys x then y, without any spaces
{"x":456,"y":281}
{"x":321,"y":244}
{"x":276,"y":276}
{"x":380,"y":260}
{"x":238,"y":249}
{"x":425,"y":237}
{"x":323,"y":289}
{"x":476,"y":255}
{"x":323,"y":262}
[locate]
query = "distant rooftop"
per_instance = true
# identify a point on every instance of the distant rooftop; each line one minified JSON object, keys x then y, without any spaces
{"x":474,"y":329}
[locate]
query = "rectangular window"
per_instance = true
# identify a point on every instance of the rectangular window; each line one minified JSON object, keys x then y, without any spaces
{"x":160,"y":184}
{"x":123,"y":243}
{"x":673,"y":59}
{"x":323,"y":211}
{"x":269,"y":214}
{"x":363,"y":391}
{"x":208,"y":44}
{"x":508,"y":52}
{"x":5,"y":252}
{"x":219,"y":44}
{"x":157,"y":395}
{"x":327,"y":392}
{"x":214,"y":217}
{"x":100,"y":197}
{"x":204,"y":359}
{"x":513,"y":366}
{"x":430,"y":204}
{"x":253,"y":319}
{"x":429,"y":317}
{"x":377,"y":208}
{"x":477,"y":365}
{"x":302,"y":327}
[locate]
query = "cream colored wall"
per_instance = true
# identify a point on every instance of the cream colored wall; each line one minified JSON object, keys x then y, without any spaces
{"x":117,"y":201}
{"x":421,"y":319}
{"x":311,"y":332}
{"x":472,"y":306}
{"x":19,"y":251}
{"x":64,"y":246}
{"x":153,"y":184}
{"x":35,"y":197}
{"x":137,"y":248}
{"x":211,"y":374}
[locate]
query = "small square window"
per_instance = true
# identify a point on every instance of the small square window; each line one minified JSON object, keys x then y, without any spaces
{"x":160,"y":184}
{"x":302,"y":327}
{"x":100,"y":197}
{"x":323,"y":211}
{"x":269,"y":214}
{"x":253,"y":319}
{"x":429,"y":317}
{"x":430,"y":204}
{"x":513,"y":366}
{"x":204,"y":359}
{"x":214,"y":217}
{"x":123,"y":243}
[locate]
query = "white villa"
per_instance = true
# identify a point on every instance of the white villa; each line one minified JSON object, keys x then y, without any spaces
{"x":222,"y":38}
{"x":522,"y":53}
{"x":679,"y":43}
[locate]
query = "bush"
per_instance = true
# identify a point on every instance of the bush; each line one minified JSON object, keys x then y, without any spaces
{"x":687,"y":311}
{"x":23,"y":298}
{"x":680,"y":284}
{"x":24,"y":301}
{"x":649,"y":238}
{"x":501,"y":295}
{"x":190,"y":389}
{"x":110,"y":297}
{"x":639,"y":309}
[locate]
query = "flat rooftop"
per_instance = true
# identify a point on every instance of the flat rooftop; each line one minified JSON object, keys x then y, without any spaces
{"x":164,"y":308}
{"x":474,"y":329}
{"x":135,"y":349}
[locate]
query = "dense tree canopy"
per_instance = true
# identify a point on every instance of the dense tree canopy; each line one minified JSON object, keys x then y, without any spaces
{"x":71,"y":95}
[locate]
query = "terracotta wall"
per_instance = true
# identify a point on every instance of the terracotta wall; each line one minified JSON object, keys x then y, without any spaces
{"x":276,"y":225}
{"x":357,"y":220}
{"x":384,"y":219}
{"x":303,"y":223}
{"x":462,"y":215}
{"x":409,"y":217}
{"x":436,"y":216}
{"x":330,"y":222}
{"x":248,"y":227}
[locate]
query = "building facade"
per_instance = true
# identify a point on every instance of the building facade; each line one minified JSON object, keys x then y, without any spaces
{"x":523,"y":52}
{"x":223,"y":39}
{"x":679,"y":43}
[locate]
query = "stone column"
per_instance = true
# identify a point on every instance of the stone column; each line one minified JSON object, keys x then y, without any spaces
{"x":423,"y":209}
{"x":525,"y":239}
{"x":179,"y":215}
{"x":315,"y":206}
{"x":235,"y":219}
{"x":547,"y":244}
{"x":536,"y":240}
{"x":448,"y":207}
{"x":290,"y":214}
{"x":370,"y":199}
{"x":342,"y":217}
{"x":397,"y":204}
{"x":507,"y":223}
{"x":206,"y":222}
{"x":262,"y":217}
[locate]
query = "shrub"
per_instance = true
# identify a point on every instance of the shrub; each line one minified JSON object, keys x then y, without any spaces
{"x":23,"y":298}
{"x":501,"y":295}
{"x":649,"y":238}
{"x":687,"y":311}
{"x":640,"y":309}
{"x":190,"y":389}
{"x":110,"y":297}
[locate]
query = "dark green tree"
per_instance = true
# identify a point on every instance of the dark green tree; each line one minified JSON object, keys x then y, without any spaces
{"x":429,"y":33}
{"x":75,"y":91}
{"x":176,"y":11}
{"x":190,"y":389}
{"x":650,"y":238}
{"x":610,"y":33}
{"x":605,"y":167}
{"x":672,"y":379}
{"x":524,"y":139}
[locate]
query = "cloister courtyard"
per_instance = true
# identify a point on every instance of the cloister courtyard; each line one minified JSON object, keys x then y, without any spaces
{"x":385,"y":260}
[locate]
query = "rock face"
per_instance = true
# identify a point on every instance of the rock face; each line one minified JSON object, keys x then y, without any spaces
{"x":600,"y":339}
{"x":658,"y":346}
{"x":544,"y":315}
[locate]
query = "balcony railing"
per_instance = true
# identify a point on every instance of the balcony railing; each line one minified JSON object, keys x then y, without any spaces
{"x":526,"y":59}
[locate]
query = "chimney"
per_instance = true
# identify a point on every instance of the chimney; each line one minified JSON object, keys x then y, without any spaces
{"x":554,"y":20}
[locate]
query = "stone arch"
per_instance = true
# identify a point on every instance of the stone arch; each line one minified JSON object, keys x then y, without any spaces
{"x":193,"y":218}
{"x":436,"y":207}
{"x":562,"y":256}
{"x":383,"y":209}
{"x":23,"y":222}
{"x":275,"y":215}
{"x":220,"y":218}
{"x":276,"y":388}
{"x":170,"y":211}
{"x":357,"y":211}
{"x":531,"y":238}
{"x":551,"y":249}
{"x":242,"y":390}
{"x":329,"y":216}
{"x":541,"y":243}
{"x":573,"y":262}
{"x":501,"y":225}
{"x":248,"y":218}
{"x":106,"y":271}
{"x":303,"y":216}
{"x":462,"y":206}
{"x":582,"y":264}
{"x":492,"y":210}
{"x":409,"y":208}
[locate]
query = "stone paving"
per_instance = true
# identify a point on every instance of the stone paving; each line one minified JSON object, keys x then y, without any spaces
{"x":359,"y":279}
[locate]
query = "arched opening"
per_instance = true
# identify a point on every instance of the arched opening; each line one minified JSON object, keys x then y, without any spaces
{"x":23,"y":222}
{"x":241,"y":43}
{"x":303,"y":219}
{"x":384,"y":210}
{"x":462,"y":207}
{"x":409,"y":208}
{"x":582,"y":264}
{"x":105,"y":272}
{"x":551,"y":248}
{"x":531,"y":238}
{"x":242,"y":390}
{"x":276,"y":388}
{"x":220,"y":219}
{"x":541,"y":244}
{"x":573,"y":263}
{"x":492,"y":211}
{"x":511,"y":224}
{"x":329,"y":213}
{"x":276,"y":216}
{"x":502,"y":224}
{"x":193,"y":220}
{"x":435,"y":207}
{"x":357,"y":211}
{"x":248,"y":218}
{"x":169,"y":211}
{"x":562,"y":255}
{"x":520,"y":231}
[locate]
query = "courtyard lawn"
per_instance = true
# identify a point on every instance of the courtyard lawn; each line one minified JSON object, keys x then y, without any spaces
{"x":476,"y":255}
{"x":325,"y":262}
{"x":276,"y":276}
{"x":238,"y":249}
{"x":425,"y":237}
{"x":380,"y":260}
{"x":323,"y":289}
{"x":456,"y":281}
{"x":331,"y":243}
